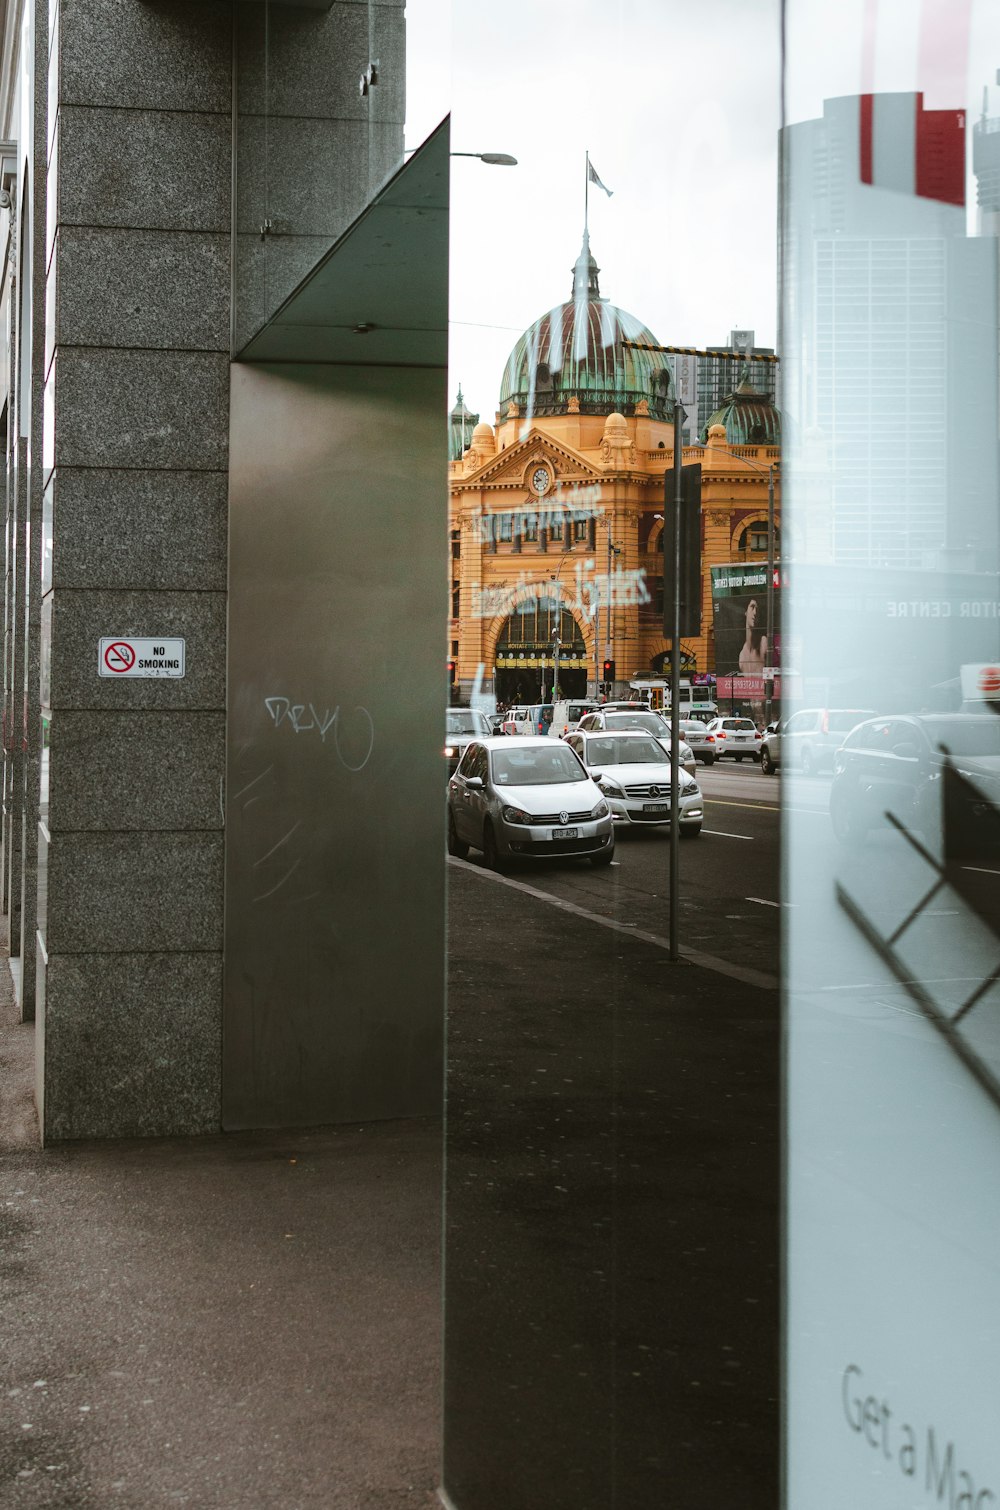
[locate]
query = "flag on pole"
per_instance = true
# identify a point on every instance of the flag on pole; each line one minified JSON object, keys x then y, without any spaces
{"x":592,"y":175}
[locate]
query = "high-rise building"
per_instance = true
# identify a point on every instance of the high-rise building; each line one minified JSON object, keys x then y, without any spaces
{"x":879,"y":271}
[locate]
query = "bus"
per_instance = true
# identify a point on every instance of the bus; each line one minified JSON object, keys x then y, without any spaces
{"x":695,"y":702}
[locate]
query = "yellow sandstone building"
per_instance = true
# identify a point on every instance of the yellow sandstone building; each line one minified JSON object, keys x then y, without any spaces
{"x":556,"y":511}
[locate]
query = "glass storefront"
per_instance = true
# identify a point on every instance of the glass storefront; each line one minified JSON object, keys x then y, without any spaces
{"x":889,"y":337}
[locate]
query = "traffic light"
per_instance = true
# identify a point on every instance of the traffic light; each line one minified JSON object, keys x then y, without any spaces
{"x":451,"y":673}
{"x":609,"y":671}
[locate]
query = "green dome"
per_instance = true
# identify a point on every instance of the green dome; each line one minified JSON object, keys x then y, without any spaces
{"x":748,"y":416}
{"x":576,"y":351}
{"x":461,"y":423}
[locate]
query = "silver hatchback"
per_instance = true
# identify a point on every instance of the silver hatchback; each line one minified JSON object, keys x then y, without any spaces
{"x":529,"y":799}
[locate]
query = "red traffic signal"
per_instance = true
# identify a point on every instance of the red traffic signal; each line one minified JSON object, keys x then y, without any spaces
{"x":451,"y":672}
{"x":609,"y":671}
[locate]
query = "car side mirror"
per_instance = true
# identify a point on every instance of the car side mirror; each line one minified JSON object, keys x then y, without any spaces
{"x":474,"y":783}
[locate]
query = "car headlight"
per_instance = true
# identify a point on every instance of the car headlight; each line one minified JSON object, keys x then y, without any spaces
{"x":516,"y":815}
{"x":609,"y":787}
{"x":601,"y":810}
{"x":450,"y":750}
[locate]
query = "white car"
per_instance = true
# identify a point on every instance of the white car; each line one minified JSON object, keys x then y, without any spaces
{"x":624,"y":716}
{"x":633,"y":771}
{"x":738,"y":737}
{"x":527,"y":798}
{"x":567,"y":714}
{"x":464,"y":725}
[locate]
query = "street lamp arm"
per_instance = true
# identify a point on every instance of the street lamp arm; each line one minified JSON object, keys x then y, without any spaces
{"x":494,"y":159}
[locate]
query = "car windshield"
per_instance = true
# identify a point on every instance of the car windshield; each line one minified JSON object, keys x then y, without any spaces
{"x":536,"y":767}
{"x":602,"y":752}
{"x":652,"y":722}
{"x":975,"y":736}
{"x":467,"y":721}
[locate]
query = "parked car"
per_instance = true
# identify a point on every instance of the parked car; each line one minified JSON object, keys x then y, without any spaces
{"x":811,"y":736}
{"x":529,"y":798}
{"x":700,"y":742}
{"x":633,"y":771}
{"x":938,"y":774}
{"x":462,"y":726}
{"x":631,"y":716}
{"x":738,"y":737}
{"x":533,"y":718}
{"x":770,"y":749}
{"x":566,"y":715}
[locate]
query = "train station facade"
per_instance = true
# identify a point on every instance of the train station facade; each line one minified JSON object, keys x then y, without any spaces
{"x":557,"y":509}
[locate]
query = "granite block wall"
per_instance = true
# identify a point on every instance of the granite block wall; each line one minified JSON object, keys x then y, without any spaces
{"x":312,"y":148}
{"x":136,"y":383}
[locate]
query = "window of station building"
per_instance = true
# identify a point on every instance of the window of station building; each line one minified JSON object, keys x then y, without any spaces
{"x":456,"y":599}
{"x":580,"y":529}
{"x":506,"y":530}
{"x":754,"y":538}
{"x":529,"y":527}
{"x":456,"y":545}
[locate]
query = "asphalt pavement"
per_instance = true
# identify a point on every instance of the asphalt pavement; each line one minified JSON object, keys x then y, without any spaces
{"x":612,"y":1233}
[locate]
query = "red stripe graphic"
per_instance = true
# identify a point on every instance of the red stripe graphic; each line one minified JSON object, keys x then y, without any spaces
{"x":939,"y":133}
{"x":867,"y":103}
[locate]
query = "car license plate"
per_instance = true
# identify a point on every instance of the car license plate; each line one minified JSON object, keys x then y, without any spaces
{"x":565,"y":833}
{"x":656,"y":807}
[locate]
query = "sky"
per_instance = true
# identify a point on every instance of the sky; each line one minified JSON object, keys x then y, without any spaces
{"x":679,"y":107}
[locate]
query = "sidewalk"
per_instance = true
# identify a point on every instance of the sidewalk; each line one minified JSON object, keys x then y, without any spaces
{"x":250,"y":1320}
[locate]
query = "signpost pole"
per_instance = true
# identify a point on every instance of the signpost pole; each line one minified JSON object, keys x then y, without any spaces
{"x":769,"y":663}
{"x":675,"y":693}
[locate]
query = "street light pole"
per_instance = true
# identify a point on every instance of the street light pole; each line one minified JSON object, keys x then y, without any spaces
{"x":675,"y":694}
{"x":769,"y":680}
{"x":607,"y":642}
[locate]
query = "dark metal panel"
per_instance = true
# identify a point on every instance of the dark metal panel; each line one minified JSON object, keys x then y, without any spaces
{"x":335,"y":788}
{"x":377,"y":296}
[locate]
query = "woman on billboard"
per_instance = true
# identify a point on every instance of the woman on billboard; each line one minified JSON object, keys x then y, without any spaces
{"x":753,"y":653}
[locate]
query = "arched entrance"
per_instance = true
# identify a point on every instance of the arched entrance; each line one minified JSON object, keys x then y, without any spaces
{"x":524,"y":659}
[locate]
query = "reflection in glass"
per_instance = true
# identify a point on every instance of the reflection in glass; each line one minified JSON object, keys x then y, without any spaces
{"x":893,"y":936}
{"x":611,"y":1218}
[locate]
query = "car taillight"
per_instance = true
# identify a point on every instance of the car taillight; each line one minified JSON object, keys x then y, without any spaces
{"x":710,"y":739}
{"x":721,"y":734}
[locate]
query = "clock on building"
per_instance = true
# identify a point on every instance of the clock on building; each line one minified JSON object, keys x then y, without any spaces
{"x":540,"y":479}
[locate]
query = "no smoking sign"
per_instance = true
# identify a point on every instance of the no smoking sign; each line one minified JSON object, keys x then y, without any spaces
{"x":121,"y":656}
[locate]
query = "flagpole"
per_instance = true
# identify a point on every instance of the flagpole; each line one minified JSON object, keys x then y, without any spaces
{"x":586,"y":194}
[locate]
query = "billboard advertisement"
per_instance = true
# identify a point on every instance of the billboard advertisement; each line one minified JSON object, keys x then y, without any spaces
{"x":739,"y":618}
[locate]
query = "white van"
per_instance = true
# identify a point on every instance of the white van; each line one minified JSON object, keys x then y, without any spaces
{"x":567,"y":714}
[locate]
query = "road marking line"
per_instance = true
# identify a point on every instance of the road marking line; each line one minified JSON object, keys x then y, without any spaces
{"x":764,"y":807}
{"x":982,"y":870}
{"x":755,"y":807}
{"x":888,"y":985}
{"x":719,"y":834}
{"x":765,"y":903}
{"x":744,"y":973}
